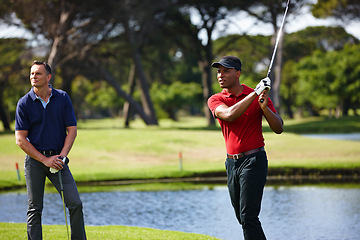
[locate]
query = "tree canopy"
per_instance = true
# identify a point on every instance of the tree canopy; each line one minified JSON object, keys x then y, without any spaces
{"x":149,"y":58}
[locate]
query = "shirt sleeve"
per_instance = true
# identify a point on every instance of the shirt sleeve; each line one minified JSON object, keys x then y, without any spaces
{"x":213,"y":102}
{"x":21,"y":119}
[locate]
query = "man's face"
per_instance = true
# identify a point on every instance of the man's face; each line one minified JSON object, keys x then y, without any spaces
{"x":38,"y":76}
{"x":227,"y":77}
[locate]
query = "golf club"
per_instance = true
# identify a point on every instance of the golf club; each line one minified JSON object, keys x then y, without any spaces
{"x":277,"y":42}
{"x":62,"y":197}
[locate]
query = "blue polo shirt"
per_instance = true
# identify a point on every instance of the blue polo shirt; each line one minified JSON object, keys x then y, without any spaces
{"x":46,"y":123}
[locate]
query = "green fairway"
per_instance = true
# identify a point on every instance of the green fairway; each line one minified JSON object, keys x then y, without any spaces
{"x":104,"y":150}
{"x":10,"y":231}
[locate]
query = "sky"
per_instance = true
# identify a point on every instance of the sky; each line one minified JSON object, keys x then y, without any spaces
{"x":240,"y":24}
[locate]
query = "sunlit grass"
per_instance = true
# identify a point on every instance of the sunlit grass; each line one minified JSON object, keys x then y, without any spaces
{"x":105,"y":150}
{"x":10,"y":231}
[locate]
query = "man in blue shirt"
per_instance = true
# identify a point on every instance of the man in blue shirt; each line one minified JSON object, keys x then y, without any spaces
{"x":45,"y":129}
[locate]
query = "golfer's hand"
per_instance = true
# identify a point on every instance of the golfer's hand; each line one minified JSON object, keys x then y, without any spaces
{"x":262,"y":85}
{"x":54,"y":162}
{"x":263,"y":99}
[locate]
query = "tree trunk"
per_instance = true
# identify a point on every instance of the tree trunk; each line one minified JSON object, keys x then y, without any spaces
{"x":288,"y":104}
{"x":345,"y":107}
{"x":67,"y":79}
{"x":144,"y":87}
{"x":127,"y":109}
{"x":59,"y":40}
{"x":108,"y":78}
{"x":207,"y":91}
{"x":3,"y":114}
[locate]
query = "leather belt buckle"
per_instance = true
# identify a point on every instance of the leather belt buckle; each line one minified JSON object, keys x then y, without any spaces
{"x":49,"y":152}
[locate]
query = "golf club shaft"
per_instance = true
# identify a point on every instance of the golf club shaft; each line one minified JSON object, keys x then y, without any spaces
{"x":62,"y":197}
{"x":277,"y":42}
{"x":278,"y":38}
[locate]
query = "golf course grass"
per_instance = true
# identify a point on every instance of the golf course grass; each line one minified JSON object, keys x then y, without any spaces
{"x":11,"y":231}
{"x":104,"y":150}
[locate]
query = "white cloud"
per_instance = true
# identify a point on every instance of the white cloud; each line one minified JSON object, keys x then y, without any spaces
{"x":242,"y":23}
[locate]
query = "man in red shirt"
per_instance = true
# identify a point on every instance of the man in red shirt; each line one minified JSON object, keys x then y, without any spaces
{"x":239,"y":110}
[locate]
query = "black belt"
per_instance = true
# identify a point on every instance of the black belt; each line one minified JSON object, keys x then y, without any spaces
{"x":50,"y":152}
{"x":243,"y":154}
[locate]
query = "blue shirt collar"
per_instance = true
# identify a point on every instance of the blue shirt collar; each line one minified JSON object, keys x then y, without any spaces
{"x":33,"y":95}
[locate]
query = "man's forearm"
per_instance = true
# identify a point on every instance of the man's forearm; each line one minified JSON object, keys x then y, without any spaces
{"x":27,"y":147}
{"x":275,"y":121}
{"x":69,"y":140}
{"x":233,"y":112}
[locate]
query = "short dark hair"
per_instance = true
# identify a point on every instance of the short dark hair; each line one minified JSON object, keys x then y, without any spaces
{"x":45,"y":64}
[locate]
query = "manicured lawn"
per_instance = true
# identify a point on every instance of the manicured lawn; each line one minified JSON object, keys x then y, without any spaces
{"x":10,"y":231}
{"x":105,"y":150}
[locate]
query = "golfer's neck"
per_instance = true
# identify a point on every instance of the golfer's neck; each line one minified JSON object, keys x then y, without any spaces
{"x":236,"y":90}
{"x":43,"y":92}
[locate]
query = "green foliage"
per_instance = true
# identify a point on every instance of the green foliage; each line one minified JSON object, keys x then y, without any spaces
{"x":347,"y":73}
{"x":171,"y":52}
{"x":330,"y":80}
{"x":344,"y":9}
{"x":311,"y":42}
{"x":168,"y":99}
{"x":305,"y":42}
{"x":13,"y":73}
{"x":252,"y":51}
{"x":93,"y":100}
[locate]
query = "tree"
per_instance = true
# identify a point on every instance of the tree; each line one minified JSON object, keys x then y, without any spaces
{"x":209,"y":13}
{"x":303,"y":44}
{"x":330,"y":80}
{"x":170,"y":98}
{"x":253,"y":51}
{"x":11,"y":52}
{"x":73,"y":29}
{"x":272,"y":12}
{"x":346,"y":10}
{"x":137,"y":28}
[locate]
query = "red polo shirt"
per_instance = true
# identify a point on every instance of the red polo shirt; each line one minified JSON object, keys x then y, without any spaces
{"x":245,"y":133}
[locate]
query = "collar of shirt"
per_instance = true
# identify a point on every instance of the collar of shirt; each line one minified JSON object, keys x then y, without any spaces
{"x":34,"y":96}
{"x":246,"y":91}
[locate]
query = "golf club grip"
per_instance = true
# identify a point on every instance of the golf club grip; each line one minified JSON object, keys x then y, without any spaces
{"x":261,"y":100}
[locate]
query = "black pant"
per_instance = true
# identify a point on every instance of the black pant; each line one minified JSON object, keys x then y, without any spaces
{"x":246,"y":178}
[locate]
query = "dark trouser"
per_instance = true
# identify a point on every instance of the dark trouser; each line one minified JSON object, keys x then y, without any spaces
{"x":35,"y":174}
{"x":246,"y":178}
